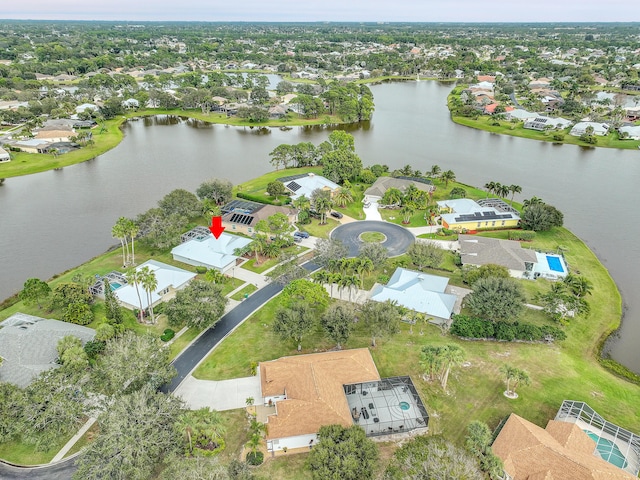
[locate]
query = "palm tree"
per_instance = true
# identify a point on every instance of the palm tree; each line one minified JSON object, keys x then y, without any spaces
{"x":435,"y":171}
{"x":184,"y":425}
{"x":452,"y":356}
{"x":392,"y":196}
{"x":520,"y":377}
{"x":578,"y":285}
{"x":322,"y":205}
{"x":342,"y":197}
{"x":514,"y":189}
{"x":353,"y":282}
{"x":257,"y":247}
{"x":119,"y":231}
{"x":509,"y":373}
{"x":502,"y":190}
{"x":490,"y":186}
{"x":407,"y":211}
{"x":131,"y":229}
{"x":149,"y":283}
{"x":448,"y":176}
{"x":363,"y":265}
{"x":133,"y":277}
{"x":302,"y":203}
{"x":431,"y":360}
{"x":532,"y":201}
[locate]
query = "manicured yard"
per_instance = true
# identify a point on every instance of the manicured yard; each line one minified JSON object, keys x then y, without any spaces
{"x":321,"y":231}
{"x":182,"y":341}
{"x":23,"y":454}
{"x":568,"y":370}
{"x":373,"y":237}
{"x":249,"y":289}
{"x":257,"y":187}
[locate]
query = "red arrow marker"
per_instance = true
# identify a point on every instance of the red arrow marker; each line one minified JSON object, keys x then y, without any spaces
{"x":216,"y":227}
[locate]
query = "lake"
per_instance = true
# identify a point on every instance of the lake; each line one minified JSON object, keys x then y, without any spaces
{"x":55,"y":220}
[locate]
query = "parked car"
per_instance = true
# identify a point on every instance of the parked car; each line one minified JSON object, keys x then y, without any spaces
{"x":336,"y":214}
{"x":301,"y":234}
{"x":297,"y":239}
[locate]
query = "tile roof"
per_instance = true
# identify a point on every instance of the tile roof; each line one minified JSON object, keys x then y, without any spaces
{"x":562,"y":451}
{"x":314,"y":388}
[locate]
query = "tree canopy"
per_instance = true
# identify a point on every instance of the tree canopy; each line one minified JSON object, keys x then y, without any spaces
{"x":200,"y":304}
{"x":496,"y":298}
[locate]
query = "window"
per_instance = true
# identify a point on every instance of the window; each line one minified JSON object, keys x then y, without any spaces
{"x":486,"y":224}
{"x":249,"y":230}
{"x":503,"y":223}
{"x":493,"y":224}
{"x":479,"y":224}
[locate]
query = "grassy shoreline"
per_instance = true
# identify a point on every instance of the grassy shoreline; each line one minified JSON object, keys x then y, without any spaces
{"x":505,"y":127}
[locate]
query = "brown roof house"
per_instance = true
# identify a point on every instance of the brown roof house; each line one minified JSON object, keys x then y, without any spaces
{"x":241,"y":216}
{"x":341,"y":387}
{"x":561,"y":451}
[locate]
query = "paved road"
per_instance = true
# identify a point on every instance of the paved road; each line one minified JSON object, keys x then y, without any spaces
{"x":188,"y":360}
{"x":398,"y":240}
{"x":62,"y":470}
{"x":184,"y":364}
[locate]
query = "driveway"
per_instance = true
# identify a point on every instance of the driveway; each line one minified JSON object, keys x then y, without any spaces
{"x":371,"y":212}
{"x":398,"y":239}
{"x":221,"y":395}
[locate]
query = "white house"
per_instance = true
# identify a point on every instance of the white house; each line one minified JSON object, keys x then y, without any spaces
{"x":580,"y":128}
{"x":168,"y":277}
{"x":632,"y":131}
{"x":541,"y":123}
{"x":4,"y":155}
{"x":417,"y":291}
{"x":87,"y":106}
{"x":209,"y":252}
{"x":306,"y":183}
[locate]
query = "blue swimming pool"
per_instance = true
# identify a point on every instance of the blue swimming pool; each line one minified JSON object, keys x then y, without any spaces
{"x":608,"y":450}
{"x":404,"y":406}
{"x":115,"y":285}
{"x":555,"y":264}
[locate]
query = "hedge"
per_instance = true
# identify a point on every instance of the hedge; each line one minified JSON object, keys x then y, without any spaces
{"x":262,"y":199}
{"x":469,"y":327}
{"x":522,"y":235}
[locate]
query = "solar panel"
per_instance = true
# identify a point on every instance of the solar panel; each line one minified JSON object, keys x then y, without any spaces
{"x":241,"y":219}
{"x":294,"y":187}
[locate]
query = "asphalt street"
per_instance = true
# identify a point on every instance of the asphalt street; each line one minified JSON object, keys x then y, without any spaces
{"x":398,"y":239}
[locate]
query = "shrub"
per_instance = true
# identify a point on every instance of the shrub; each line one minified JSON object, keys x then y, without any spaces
{"x":255,"y":458}
{"x":201,"y":270}
{"x":167,"y":335}
{"x":521,"y":235}
{"x":558,"y":137}
{"x":383,"y":279}
{"x":471,"y":327}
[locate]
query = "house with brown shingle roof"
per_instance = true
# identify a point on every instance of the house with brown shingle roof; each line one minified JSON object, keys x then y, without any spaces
{"x":561,"y":451}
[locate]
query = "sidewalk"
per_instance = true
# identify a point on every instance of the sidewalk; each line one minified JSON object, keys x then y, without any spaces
{"x":64,"y":450}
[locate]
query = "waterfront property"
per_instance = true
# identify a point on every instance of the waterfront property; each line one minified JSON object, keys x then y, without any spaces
{"x":541,"y":123}
{"x":306,"y":183}
{"x":580,"y":128}
{"x":616,"y":445}
{"x":28,"y":346}
{"x":478,"y":251}
{"x":550,"y":266}
{"x":376,"y":191}
{"x":578,"y":444}
{"x":419,"y":292}
{"x":465,"y":214}
{"x":201,"y":248}
{"x":340,"y":387}
{"x":241,"y":216}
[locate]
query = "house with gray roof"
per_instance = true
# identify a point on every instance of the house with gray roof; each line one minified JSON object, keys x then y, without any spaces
{"x":207,"y":251}
{"x":632,"y":131}
{"x":419,"y":292}
{"x":28,"y":346}
{"x":580,"y":128}
{"x":478,"y":251}
{"x":376,"y":191}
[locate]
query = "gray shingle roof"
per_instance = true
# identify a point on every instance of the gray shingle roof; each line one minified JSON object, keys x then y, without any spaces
{"x":476,"y":250}
{"x":28,"y":346}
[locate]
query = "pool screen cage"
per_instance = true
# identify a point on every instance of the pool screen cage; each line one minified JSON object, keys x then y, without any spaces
{"x":391,"y":405}
{"x":588,"y":419}
{"x":112,"y":277}
{"x":198,"y":233}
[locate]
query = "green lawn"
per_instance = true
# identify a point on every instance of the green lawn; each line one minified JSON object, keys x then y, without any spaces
{"x":249,"y":289}
{"x":321,"y":231}
{"x":182,"y":341}
{"x":87,"y":438}
{"x":23,"y":454}
{"x":373,"y":237}
{"x":569,"y":370}
{"x":257,"y":187}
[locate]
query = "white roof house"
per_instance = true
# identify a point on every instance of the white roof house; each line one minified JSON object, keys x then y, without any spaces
{"x":632,"y":131}
{"x":417,"y":291}
{"x":305,"y":184}
{"x":580,"y":128}
{"x":85,"y":106}
{"x":4,"y":155}
{"x":209,"y":252}
{"x":542,"y":123}
{"x":520,"y":114}
{"x":28,"y":346}
{"x":169,"y":279}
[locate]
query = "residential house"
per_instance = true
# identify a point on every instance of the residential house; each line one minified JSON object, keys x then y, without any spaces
{"x":201,"y":248}
{"x":28,"y":346}
{"x":580,"y":128}
{"x":306,"y":183}
{"x":490,"y":109}
{"x":131,"y":104}
{"x":419,"y":292}
{"x":4,"y":155}
{"x":169,"y":280}
{"x":341,"y":387}
{"x":465,"y":214}
{"x":87,"y":106}
{"x":32,"y":146}
{"x":542,"y":123}
{"x":376,"y":191}
{"x":520,"y":114}
{"x":277,"y":111}
{"x":478,"y":251}
{"x":241,"y":216}
{"x":632,"y":132}
{"x":561,"y":451}
{"x":54,"y":135}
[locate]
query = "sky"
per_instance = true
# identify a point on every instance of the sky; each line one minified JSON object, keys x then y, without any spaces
{"x":326,"y":10}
